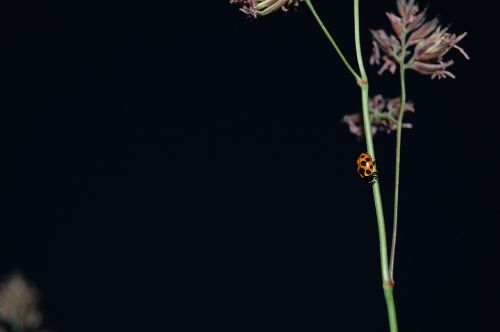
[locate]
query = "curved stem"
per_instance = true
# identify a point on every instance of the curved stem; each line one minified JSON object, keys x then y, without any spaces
{"x":363,"y":83}
{"x":332,"y":41}
{"x":402,"y":70}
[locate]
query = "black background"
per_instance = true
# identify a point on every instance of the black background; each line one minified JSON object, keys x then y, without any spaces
{"x":173,"y":166}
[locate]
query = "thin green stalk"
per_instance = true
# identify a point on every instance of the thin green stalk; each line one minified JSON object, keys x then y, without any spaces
{"x":384,"y":262}
{"x":391,"y":308}
{"x":402,"y":70}
{"x":332,"y":41}
{"x":363,"y":83}
{"x":357,"y":40}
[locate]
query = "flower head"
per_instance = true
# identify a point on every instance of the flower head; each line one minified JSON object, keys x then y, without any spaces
{"x":425,"y":43}
{"x":383,"y":116}
{"x":256,"y":8}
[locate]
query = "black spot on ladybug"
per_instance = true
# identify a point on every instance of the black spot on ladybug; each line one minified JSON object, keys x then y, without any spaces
{"x":368,"y":172}
{"x":371,"y":166}
{"x":368,"y":158}
{"x":363,"y":163}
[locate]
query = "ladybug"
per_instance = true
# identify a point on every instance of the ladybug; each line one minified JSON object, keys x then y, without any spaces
{"x":366,"y":168}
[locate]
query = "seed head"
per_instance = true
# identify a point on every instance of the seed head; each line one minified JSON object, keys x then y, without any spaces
{"x":425,"y":42}
{"x":256,"y":8}
{"x":383,"y":116}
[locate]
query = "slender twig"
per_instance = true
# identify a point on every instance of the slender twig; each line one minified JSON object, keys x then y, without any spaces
{"x":332,"y":41}
{"x":402,"y":70}
{"x":363,"y":83}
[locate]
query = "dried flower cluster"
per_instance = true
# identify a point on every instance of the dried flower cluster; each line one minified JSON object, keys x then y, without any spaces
{"x":425,"y":43}
{"x":256,"y":8}
{"x":383,"y":116}
{"x":19,"y":305}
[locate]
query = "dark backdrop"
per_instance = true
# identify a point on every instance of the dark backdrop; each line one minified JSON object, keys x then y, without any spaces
{"x":173,"y":166}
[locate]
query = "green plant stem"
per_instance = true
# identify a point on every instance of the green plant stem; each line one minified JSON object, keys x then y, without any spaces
{"x":332,"y":41}
{"x":363,"y":83}
{"x":384,"y":262}
{"x":391,"y":308}
{"x":402,"y":70}
{"x":359,"y":54}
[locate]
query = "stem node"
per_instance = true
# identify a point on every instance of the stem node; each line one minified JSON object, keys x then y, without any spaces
{"x":362,"y":82}
{"x":389,"y":284}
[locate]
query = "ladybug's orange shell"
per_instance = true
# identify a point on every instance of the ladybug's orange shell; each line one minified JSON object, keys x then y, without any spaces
{"x":366,"y":168}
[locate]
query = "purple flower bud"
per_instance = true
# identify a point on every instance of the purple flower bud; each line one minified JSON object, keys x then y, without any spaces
{"x":423,"y":31}
{"x":396,"y":23}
